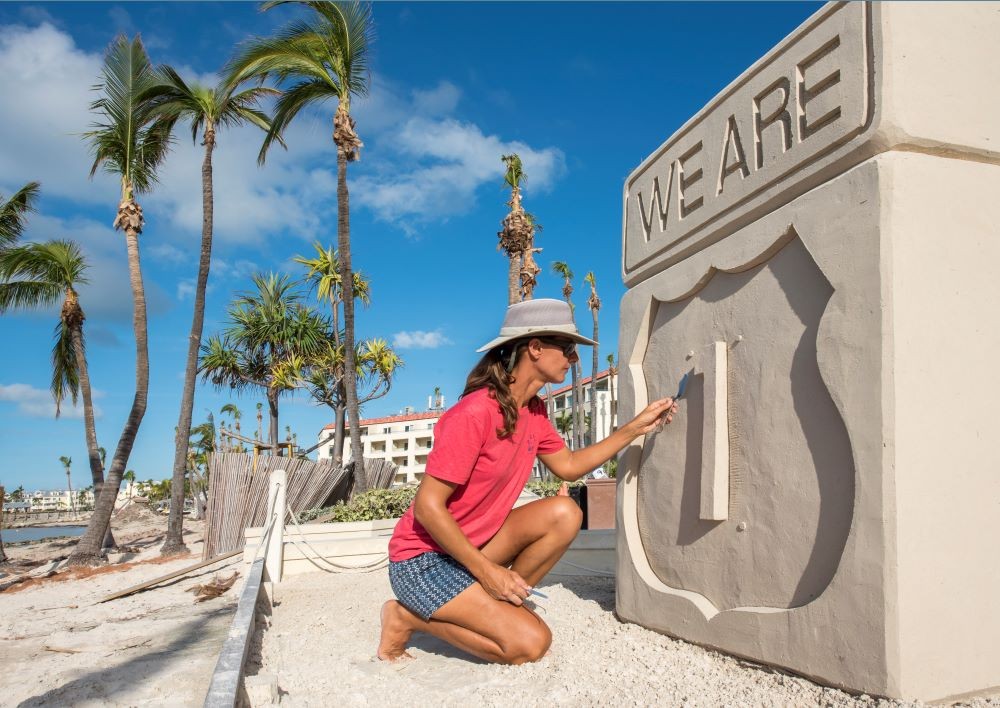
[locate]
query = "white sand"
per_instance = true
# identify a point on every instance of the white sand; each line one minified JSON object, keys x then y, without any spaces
{"x":155,"y":648}
{"x":324,"y":629}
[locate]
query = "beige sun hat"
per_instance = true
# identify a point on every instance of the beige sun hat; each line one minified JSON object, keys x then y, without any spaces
{"x":533,"y":318}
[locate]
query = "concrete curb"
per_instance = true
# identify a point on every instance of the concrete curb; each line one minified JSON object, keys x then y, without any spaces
{"x":226,"y":688}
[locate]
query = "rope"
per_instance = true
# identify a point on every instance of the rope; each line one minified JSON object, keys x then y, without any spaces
{"x":602,"y":573}
{"x":377,"y":564}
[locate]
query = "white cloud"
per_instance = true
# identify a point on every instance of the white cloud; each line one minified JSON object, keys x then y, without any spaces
{"x":107,"y":295}
{"x":419,"y":340}
{"x":430,"y":167}
{"x":448,"y":161}
{"x":37,"y":403}
{"x":186,"y":288}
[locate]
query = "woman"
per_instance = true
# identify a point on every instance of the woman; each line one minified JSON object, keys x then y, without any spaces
{"x":462,"y":562}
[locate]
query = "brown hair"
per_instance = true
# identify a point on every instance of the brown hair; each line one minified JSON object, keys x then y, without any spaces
{"x":492,"y":372}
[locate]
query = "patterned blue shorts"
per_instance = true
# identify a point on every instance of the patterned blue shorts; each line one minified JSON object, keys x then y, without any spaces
{"x":426,"y":582}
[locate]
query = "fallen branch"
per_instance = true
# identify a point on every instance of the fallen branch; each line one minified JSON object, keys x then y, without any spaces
{"x":62,"y":650}
{"x":169,"y":576}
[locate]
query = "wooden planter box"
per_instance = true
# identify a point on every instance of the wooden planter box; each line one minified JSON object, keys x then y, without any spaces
{"x":600,"y":506}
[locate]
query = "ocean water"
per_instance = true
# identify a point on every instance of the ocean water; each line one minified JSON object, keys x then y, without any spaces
{"x":37,"y":533}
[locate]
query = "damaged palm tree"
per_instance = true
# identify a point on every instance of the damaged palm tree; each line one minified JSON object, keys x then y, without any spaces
{"x":130,"y":141}
{"x":517,"y":236}
{"x":314,"y":60}
{"x":594,"y":303}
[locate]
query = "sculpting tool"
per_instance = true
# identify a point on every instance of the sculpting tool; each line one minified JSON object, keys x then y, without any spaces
{"x":540,"y":594}
{"x":683,"y":386}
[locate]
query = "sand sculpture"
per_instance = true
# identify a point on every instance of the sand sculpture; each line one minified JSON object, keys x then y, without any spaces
{"x":819,"y":246}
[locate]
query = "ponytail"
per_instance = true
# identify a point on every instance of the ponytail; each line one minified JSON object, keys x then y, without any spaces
{"x":493,"y":372}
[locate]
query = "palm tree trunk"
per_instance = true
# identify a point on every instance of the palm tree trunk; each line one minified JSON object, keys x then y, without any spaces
{"x":578,"y":414}
{"x":90,"y":428}
{"x":347,"y":284}
{"x":593,"y":385}
{"x":3,"y":554}
{"x":272,"y":428}
{"x":174,"y":542}
{"x":69,"y":487}
{"x":612,"y":403}
{"x":338,"y":432}
{"x":88,"y":549}
{"x":514,"y":280}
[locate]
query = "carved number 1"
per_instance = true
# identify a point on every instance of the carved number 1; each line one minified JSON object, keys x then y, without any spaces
{"x":715,"y":438}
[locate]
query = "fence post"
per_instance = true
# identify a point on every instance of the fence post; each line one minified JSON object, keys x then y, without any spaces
{"x":276,"y":510}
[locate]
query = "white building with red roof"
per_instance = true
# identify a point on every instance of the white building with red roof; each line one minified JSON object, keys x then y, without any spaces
{"x":404,"y":440}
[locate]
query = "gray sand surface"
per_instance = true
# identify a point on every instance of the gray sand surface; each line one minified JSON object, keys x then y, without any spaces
{"x":324,"y":628}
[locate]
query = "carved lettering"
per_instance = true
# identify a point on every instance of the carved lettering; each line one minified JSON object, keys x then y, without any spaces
{"x":658,"y":204}
{"x":732,"y":144}
{"x":754,"y":136}
{"x":807,"y":94}
{"x":688,"y":180}
{"x":779,"y":116}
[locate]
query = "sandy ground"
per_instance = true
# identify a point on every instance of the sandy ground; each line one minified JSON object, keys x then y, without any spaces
{"x":323,"y":632}
{"x":155,"y":648}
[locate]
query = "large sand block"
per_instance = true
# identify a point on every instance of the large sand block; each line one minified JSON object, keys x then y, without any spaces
{"x":818,"y":246}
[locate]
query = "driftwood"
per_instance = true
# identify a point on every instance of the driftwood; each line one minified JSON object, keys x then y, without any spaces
{"x":213,"y":588}
{"x":169,"y":576}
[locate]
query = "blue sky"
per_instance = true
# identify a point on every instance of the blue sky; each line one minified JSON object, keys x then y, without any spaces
{"x":582,"y":91}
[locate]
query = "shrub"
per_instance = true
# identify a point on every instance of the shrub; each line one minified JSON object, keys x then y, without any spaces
{"x":547,"y":488}
{"x":373,"y":504}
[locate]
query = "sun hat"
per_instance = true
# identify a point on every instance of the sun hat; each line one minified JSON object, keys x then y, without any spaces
{"x":537,"y":318}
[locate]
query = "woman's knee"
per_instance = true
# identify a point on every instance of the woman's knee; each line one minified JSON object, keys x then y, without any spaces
{"x":530,"y":643}
{"x":566,"y":512}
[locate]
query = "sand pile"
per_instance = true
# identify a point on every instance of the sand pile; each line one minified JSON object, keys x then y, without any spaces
{"x":324,"y":629}
{"x":156,"y":648}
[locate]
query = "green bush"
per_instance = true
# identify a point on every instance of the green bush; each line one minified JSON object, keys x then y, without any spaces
{"x":373,"y":504}
{"x":547,"y":488}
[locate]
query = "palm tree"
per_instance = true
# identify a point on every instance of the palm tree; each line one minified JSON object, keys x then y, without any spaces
{"x":3,"y":498}
{"x":129,"y":140}
{"x":128,"y":477}
{"x":323,"y":58}
{"x":612,"y":403}
{"x":39,"y":275}
{"x":323,"y":275}
{"x":562,"y":269}
{"x":270,"y":337}
{"x":375,"y":366}
{"x":594,"y":303}
{"x":14,"y":212}
{"x":564,"y":423}
{"x":517,"y":236}
{"x":207,"y":109}
{"x":67,"y":463}
{"x":260,"y":422}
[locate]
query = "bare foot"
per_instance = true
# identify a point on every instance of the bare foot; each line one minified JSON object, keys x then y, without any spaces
{"x":396,"y":632}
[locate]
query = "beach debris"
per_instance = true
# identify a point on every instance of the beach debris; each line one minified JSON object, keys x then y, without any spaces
{"x":169,"y":576}
{"x":214,"y":587}
{"x":63,"y":650}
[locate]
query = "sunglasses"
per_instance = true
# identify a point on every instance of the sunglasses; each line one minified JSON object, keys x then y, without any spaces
{"x":568,"y":346}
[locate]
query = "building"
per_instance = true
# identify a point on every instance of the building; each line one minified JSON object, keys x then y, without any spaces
{"x":407,"y":438}
{"x":606,"y":409}
{"x":59,"y":500}
{"x":404,"y":440}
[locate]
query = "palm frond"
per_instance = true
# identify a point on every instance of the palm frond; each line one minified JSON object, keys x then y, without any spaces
{"x":65,"y":372}
{"x":292,"y":101}
{"x":14,"y":212}
{"x":130,"y":138}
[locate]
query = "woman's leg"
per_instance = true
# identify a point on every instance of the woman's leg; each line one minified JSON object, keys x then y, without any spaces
{"x":472,"y":621}
{"x":532,"y":539}
{"x":535,"y":536}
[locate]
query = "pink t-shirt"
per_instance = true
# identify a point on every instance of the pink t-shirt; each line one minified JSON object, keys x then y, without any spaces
{"x":490,"y":471}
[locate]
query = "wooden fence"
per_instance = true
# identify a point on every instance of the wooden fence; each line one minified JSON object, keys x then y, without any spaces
{"x":237,"y":491}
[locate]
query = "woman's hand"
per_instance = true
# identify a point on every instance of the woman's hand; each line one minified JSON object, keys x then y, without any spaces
{"x":504,"y":584}
{"x":654,"y":416}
